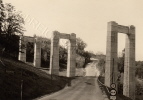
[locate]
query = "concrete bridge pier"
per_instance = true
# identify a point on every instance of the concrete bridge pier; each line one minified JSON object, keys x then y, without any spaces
{"x":22,"y":49}
{"x":54,"y":56}
{"x":111,"y":69}
{"x":71,"y":64}
{"x":37,"y":52}
{"x":129,"y":68}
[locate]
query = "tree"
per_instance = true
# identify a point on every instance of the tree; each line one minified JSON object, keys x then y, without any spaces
{"x":121,"y":62}
{"x":63,"y":55}
{"x":30,"y":52}
{"x":14,"y":21}
{"x":11,"y":25}
{"x":139,"y":69}
{"x":11,"y":20}
{"x":45,"y":53}
{"x":2,"y":17}
{"x":87,"y":56}
{"x":80,"y":46}
{"x":101,"y":62}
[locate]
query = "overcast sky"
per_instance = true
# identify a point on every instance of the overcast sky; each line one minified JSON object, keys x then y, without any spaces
{"x":87,"y":18}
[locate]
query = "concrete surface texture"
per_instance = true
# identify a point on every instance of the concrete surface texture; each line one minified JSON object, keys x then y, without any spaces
{"x":111,"y":70}
{"x":54,"y":57}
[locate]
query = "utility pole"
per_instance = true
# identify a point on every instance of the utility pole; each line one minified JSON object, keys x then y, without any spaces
{"x":113,"y":72}
{"x":21,"y":89}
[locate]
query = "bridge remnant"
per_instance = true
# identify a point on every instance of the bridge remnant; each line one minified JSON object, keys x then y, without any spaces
{"x":111,"y":70}
{"x":54,"y":57}
{"x":22,"y":50}
{"x":37,"y":52}
{"x":37,"y":48}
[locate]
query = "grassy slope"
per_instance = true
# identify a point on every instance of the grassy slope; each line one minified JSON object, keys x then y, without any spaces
{"x":35,"y":82}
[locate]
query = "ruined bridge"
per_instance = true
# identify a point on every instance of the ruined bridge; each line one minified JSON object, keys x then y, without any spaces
{"x":54,"y":56}
{"x":111,"y":70}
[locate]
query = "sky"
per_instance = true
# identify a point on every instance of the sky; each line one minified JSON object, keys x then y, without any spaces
{"x":86,"y":18}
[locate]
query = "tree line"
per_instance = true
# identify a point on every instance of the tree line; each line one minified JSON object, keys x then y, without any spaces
{"x":12,"y":26}
{"x":120,"y":64}
{"x":82,"y":56}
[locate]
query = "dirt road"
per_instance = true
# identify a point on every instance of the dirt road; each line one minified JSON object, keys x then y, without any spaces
{"x":86,"y":88}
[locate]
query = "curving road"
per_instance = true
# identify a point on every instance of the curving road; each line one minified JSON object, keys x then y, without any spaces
{"x":91,"y":69}
{"x":86,"y":88}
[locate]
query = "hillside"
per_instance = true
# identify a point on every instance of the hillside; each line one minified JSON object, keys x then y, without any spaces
{"x":36,"y":83}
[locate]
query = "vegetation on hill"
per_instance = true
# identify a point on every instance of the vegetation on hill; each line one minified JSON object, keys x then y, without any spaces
{"x":83,"y":57}
{"x":101,"y":62}
{"x":139,"y":65}
{"x":16,"y":76}
{"x":138,"y":73}
{"x":18,"y":79}
{"x":11,"y":25}
{"x":139,"y":69}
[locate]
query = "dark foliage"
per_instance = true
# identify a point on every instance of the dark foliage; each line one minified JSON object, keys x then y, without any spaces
{"x":10,"y":44}
{"x":30,"y":52}
{"x":11,"y":25}
{"x":139,"y":69}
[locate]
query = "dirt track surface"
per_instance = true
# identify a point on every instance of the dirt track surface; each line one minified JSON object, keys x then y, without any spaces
{"x":86,"y":88}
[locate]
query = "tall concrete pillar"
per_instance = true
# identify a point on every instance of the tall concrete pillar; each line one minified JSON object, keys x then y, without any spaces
{"x":54,"y":56}
{"x":71,"y":62}
{"x":37,"y":52}
{"x":111,"y":54}
{"x":129,"y":69}
{"x":22,"y":49}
